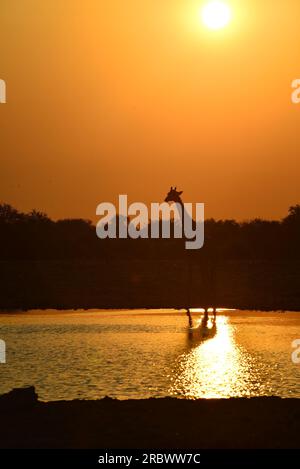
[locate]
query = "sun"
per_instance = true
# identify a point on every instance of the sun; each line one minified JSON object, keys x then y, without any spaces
{"x":216,"y":14}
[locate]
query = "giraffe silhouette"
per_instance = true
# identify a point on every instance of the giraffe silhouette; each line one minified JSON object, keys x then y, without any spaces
{"x":174,"y":196}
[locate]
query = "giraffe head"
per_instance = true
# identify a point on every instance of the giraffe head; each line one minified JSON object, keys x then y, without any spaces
{"x":173,"y":196}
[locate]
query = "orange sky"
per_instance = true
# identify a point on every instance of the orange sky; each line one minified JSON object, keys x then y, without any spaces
{"x":107,"y":97}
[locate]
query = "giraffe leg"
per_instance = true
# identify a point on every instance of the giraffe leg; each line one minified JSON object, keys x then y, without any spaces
{"x":189,"y":317}
{"x":205,"y":317}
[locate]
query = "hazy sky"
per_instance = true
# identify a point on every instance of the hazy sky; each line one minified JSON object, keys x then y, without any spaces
{"x":109,"y":97}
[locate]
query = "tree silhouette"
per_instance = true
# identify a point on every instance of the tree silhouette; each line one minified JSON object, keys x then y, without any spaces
{"x":34,"y":235}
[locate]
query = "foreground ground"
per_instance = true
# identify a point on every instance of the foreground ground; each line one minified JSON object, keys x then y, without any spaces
{"x":154,"y":423}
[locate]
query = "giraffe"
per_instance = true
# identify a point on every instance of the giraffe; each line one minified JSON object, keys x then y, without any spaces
{"x":175,"y":197}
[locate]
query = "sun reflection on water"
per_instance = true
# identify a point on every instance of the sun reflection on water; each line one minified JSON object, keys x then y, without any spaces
{"x":213,"y":365}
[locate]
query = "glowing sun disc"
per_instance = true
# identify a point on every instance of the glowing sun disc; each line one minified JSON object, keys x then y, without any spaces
{"x":216,"y":15}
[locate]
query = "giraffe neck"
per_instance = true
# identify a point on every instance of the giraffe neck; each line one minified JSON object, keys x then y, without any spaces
{"x":184,"y":214}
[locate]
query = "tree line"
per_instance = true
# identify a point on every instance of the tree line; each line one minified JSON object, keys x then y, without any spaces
{"x":35,"y":236}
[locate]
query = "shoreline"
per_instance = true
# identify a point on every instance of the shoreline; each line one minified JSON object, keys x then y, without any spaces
{"x":236,"y":423}
{"x":167,"y":311}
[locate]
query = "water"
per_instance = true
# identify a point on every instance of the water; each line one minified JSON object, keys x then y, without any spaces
{"x":139,"y":354}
